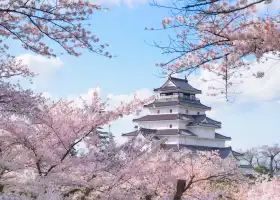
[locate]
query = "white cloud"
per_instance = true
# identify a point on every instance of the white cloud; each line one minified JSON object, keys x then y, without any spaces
{"x":252,"y":89}
{"x":87,"y":96}
{"x":47,"y":95}
{"x":272,"y":7}
{"x":116,"y":99}
{"x":42,"y":65}
{"x":258,"y":91}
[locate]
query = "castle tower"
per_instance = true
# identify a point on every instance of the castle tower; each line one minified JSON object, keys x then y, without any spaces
{"x":178,"y":115}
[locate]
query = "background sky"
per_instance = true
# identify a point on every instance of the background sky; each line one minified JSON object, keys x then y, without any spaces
{"x":251,"y":120}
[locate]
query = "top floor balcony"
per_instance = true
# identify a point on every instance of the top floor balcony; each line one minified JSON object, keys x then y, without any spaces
{"x":175,"y":97}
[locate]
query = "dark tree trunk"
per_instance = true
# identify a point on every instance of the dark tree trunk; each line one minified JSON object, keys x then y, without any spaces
{"x":180,"y":189}
{"x":1,"y":188}
{"x":148,"y":197}
{"x":271,"y":166}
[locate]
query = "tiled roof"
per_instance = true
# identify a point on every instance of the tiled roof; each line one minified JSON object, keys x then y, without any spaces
{"x":183,"y":84}
{"x":202,"y":120}
{"x":180,"y":84}
{"x":237,"y":153}
{"x":194,"y":104}
{"x":187,"y":132}
{"x":223,"y":137}
{"x":145,"y":131}
{"x":164,"y":117}
{"x":224,"y":152}
{"x":193,"y":120}
{"x":171,"y":132}
{"x":133,"y":133}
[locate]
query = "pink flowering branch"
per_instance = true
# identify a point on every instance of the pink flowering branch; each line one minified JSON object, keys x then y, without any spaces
{"x":13,"y":99}
{"x":61,"y":21}
{"x":42,"y":144}
{"x":219,"y":36}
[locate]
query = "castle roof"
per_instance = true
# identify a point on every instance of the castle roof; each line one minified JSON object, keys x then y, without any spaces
{"x":164,"y":117}
{"x":192,"y":120}
{"x":170,"y":132}
{"x":178,"y":85}
{"x":223,"y":137}
{"x":161,"y":132}
{"x":179,"y":102}
{"x":203,"y":120}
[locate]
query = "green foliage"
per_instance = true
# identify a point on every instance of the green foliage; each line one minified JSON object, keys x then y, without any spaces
{"x":261,"y":169}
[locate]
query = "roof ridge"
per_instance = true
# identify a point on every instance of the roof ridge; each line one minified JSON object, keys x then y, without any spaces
{"x":181,"y":79}
{"x":175,"y":82}
{"x":213,"y":120}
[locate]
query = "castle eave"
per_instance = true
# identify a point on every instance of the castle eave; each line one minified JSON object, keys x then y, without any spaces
{"x":221,"y":137}
{"x":161,"y":132}
{"x":164,"y":117}
{"x":192,"y":104}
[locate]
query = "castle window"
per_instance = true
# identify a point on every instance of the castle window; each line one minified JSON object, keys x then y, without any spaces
{"x":170,"y":110}
{"x":187,"y":111}
{"x":170,"y":126}
{"x":158,"y":111}
{"x":198,"y":113}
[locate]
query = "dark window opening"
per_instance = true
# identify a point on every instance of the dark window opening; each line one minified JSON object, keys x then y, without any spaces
{"x":170,"y":110}
{"x":170,"y":126}
{"x":187,"y":111}
{"x":158,"y":111}
{"x":198,"y":113}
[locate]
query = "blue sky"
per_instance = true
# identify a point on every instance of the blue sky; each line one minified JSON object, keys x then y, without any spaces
{"x":252,"y":120}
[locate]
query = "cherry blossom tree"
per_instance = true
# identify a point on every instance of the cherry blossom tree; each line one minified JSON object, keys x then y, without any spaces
{"x":265,"y":159}
{"x":40,"y":164}
{"x":221,"y":36}
{"x":265,"y":189}
{"x":179,"y":175}
{"x":36,"y":152}
{"x":14,"y":100}
{"x":40,"y":24}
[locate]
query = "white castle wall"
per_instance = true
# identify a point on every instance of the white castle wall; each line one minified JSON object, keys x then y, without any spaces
{"x":191,"y":111}
{"x":203,"y":132}
{"x":161,"y":124}
{"x":195,"y":141}
{"x":176,"y":124}
{"x":164,"y":110}
{"x":177,"y":109}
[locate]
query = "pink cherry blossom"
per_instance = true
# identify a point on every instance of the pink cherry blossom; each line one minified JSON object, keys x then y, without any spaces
{"x":61,"y":21}
{"x":226,"y":35}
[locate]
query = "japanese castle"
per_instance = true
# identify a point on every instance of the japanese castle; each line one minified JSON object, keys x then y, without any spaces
{"x":178,"y":115}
